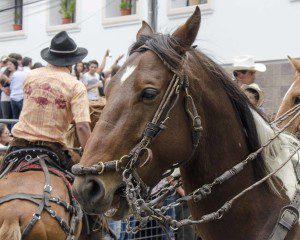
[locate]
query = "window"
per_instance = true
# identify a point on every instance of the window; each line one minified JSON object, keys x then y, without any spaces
{"x":11,"y":16}
{"x":182,"y":8}
{"x":62,"y":12}
{"x":120,"y":12}
{"x":186,"y":3}
{"x":63,"y":15}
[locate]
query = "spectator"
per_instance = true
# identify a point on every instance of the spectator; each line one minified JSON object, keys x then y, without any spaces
{"x":18,"y":57}
{"x":3,"y":62}
{"x":37,"y":65}
{"x":79,"y":70}
{"x":5,"y":136}
{"x":103,"y":63}
{"x":255,"y":95}
{"x":12,"y":66}
{"x":110,"y":72}
{"x":182,"y":212}
{"x":245,"y":69}
{"x":85,"y":67}
{"x":27,"y":63}
{"x":92,"y":82}
{"x":16,"y":87}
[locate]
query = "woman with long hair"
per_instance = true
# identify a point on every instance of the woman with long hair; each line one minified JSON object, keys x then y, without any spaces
{"x":79,"y":70}
{"x":5,"y":136}
{"x":12,"y":66}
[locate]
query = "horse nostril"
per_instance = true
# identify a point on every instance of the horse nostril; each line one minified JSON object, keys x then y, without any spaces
{"x":93,"y":187}
{"x":93,"y":190}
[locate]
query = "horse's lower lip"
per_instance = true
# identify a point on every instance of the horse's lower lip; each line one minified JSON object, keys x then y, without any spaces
{"x":118,"y":206}
{"x":114,"y":207}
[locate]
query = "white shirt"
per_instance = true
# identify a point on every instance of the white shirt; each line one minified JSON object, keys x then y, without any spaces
{"x":88,"y":80}
{"x":16,"y":84}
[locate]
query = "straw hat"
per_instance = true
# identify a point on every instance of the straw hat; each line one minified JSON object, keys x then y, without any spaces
{"x":261,"y":94}
{"x":247,"y":63}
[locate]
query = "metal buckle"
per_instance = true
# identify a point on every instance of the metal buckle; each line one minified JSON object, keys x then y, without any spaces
{"x":36,"y":216}
{"x":47,"y":188}
{"x":289,"y":217}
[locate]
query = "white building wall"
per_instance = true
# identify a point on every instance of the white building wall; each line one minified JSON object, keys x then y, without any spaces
{"x":266,"y":29}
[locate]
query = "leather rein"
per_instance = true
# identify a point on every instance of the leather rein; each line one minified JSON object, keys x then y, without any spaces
{"x":137,"y":191}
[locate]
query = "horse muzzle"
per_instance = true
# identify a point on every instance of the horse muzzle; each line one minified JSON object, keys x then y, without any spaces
{"x":89,"y":192}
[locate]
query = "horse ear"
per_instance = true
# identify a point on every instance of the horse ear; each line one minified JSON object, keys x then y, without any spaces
{"x":144,"y":30}
{"x":295,"y":63}
{"x":187,"y":33}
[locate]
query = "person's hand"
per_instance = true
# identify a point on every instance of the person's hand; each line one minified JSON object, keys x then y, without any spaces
{"x":120,"y":57}
{"x":106,"y":53}
{"x":180,"y":191}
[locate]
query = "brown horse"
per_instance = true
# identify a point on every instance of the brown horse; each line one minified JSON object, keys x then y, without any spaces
{"x":231,"y":130}
{"x":17,"y":213}
{"x":291,"y":98}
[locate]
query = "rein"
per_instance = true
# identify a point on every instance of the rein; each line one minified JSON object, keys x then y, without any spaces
{"x":42,"y":162}
{"x":136,"y":190}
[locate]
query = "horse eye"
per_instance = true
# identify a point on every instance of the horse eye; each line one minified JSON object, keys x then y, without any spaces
{"x":297,"y":100}
{"x":148,"y":94}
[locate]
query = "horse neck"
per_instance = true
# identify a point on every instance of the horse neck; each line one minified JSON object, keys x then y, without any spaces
{"x":223,"y":144}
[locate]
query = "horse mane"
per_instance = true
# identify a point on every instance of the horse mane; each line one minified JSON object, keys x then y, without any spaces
{"x":171,"y":51}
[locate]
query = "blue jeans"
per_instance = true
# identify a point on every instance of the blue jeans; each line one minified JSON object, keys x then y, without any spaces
{"x":16,"y":108}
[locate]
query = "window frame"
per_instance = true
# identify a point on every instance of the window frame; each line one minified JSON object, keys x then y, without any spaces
{"x":15,"y":35}
{"x":122,"y":20}
{"x":181,"y":12}
{"x":70,"y":27}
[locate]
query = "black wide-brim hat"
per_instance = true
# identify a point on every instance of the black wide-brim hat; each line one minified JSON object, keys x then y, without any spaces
{"x":63,"y":51}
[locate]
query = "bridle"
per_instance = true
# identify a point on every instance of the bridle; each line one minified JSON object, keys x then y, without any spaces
{"x":137,"y":191}
{"x":129,"y":164}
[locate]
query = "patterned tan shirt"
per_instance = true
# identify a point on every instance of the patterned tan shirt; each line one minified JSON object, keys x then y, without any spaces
{"x":53,"y":98}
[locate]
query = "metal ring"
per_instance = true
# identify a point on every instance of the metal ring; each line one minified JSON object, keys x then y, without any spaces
{"x":28,"y":158}
{"x":102,"y":168}
{"x":47,"y":185}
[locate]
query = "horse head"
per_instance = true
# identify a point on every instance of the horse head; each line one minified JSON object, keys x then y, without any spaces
{"x":291,"y":98}
{"x":134,"y":95}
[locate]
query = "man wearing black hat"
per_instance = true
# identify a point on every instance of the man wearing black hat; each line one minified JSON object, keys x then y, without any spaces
{"x":53,"y":98}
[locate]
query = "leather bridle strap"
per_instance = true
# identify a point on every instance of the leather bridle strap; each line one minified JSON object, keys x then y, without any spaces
{"x":289,"y":215}
{"x":44,"y":202}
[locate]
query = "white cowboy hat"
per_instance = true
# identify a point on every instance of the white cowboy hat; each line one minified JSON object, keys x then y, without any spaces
{"x":247,"y":63}
{"x":254,"y":86}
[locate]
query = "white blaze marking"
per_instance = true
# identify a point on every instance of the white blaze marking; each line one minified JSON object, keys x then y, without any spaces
{"x":128,"y":71}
